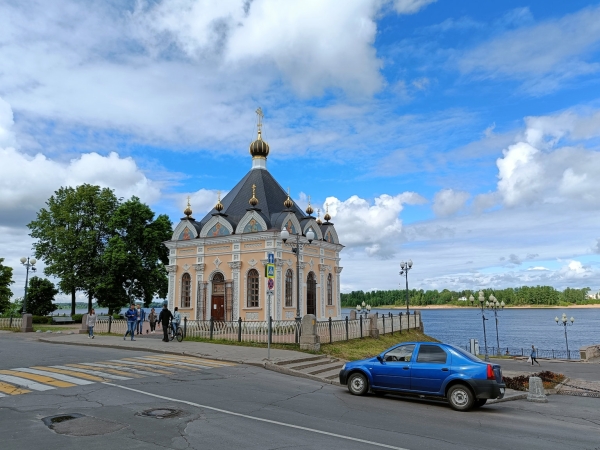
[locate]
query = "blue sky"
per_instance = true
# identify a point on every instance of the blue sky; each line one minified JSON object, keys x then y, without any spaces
{"x":461,"y":134}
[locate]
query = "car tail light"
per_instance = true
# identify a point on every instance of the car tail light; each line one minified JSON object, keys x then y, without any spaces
{"x":490,"y":372}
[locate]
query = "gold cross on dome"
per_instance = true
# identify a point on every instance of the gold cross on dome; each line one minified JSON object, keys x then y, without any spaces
{"x":188,"y":201}
{"x":260,"y":115}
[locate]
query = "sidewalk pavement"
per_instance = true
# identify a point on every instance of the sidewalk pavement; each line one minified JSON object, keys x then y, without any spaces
{"x":232,"y":353}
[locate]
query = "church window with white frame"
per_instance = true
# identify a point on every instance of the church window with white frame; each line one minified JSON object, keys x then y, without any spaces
{"x":252,"y":289}
{"x":186,"y":291}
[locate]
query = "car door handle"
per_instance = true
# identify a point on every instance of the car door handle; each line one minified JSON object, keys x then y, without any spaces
{"x":406,"y":367}
{"x":444,"y":369}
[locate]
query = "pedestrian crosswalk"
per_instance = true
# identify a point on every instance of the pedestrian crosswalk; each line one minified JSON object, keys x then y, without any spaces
{"x":24,"y":380}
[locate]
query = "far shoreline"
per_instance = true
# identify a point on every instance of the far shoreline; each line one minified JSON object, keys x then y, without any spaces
{"x":419,"y":307}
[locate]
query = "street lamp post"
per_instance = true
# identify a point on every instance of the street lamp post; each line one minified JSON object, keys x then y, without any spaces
{"x":564,"y":322}
{"x":481,"y":300}
{"x":406,"y":266}
{"x":494,"y":305}
{"x":29,"y":264}
{"x":297,"y":246}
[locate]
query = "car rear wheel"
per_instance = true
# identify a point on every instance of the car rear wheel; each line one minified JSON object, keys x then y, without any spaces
{"x":480,"y":402}
{"x":460,"y":397}
{"x":357,"y":384}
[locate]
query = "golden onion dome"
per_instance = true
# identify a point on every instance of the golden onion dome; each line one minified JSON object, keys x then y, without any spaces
{"x":219,"y":205}
{"x":319,"y":222}
{"x":327,"y":217}
{"x":188,"y":210}
{"x":253,"y":201}
{"x":288,"y":203}
{"x":259,"y":148}
{"x":309,"y":209}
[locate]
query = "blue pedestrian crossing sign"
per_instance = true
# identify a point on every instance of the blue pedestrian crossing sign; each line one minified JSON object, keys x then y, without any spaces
{"x":271,"y":258}
{"x":270,"y":271}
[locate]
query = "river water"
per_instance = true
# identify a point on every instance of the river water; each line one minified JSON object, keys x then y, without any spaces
{"x":517,"y":328}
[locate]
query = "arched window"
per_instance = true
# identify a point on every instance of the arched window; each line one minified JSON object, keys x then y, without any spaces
{"x":252,"y":290}
{"x":289,"y":287}
{"x":186,"y":290}
{"x":329,"y":290}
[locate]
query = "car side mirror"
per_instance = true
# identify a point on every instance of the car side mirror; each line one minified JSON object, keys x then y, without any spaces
{"x":379,"y":358}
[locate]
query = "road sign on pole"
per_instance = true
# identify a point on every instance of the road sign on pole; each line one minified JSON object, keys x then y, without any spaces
{"x":270,"y":284}
{"x":271,"y":258}
{"x":270,"y":271}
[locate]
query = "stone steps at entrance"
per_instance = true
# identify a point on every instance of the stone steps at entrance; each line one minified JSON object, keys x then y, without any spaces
{"x":318,"y":370}
{"x":309,"y":365}
{"x":300,"y":360}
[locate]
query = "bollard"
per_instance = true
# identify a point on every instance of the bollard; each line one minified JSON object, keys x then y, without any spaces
{"x":239,"y":329}
{"x":392,"y":320}
{"x":400,"y":320}
{"x":383,"y":319}
{"x":212,"y":328}
{"x":347,"y":333}
{"x":184,"y":327}
{"x":109,"y":323}
{"x":536,"y":391}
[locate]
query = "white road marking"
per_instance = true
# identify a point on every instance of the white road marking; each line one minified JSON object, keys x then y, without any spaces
{"x":93,"y":372}
{"x":123,"y":369}
{"x":26,"y":383}
{"x":2,"y":395}
{"x":177,"y":363}
{"x":259,"y":419}
{"x":55,"y":375}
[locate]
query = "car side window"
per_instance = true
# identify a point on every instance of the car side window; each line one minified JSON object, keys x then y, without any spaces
{"x":399,"y":354}
{"x":432,"y":354}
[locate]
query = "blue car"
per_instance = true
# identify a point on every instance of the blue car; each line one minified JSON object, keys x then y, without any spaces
{"x":427,"y":369}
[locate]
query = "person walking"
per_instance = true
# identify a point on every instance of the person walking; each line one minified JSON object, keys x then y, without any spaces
{"x":533,"y":356}
{"x":176,"y":320}
{"x":91,"y":323}
{"x":131,"y":317}
{"x":152,"y":318}
{"x":164,"y":318}
{"x":140,"y":318}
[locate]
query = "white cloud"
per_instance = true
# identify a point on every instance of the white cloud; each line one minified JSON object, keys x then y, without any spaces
{"x":542,"y":55}
{"x":448,"y":202}
{"x":375,"y":227}
{"x":538,"y":268}
{"x":410,"y":6}
{"x":536,"y":169}
{"x":575,"y":270}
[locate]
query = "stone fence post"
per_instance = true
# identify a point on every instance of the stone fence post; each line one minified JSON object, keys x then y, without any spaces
{"x":83,"y":328}
{"x":536,"y":391}
{"x":309,"y":340}
{"x":27,"y":324}
{"x":373,"y":330}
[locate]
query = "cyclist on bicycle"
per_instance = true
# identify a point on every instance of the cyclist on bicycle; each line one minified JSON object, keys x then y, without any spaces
{"x":163,"y":318}
{"x":176,"y":321}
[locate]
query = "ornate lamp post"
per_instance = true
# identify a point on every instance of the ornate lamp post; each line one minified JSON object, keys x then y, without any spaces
{"x":29,"y":264}
{"x":297,"y":246}
{"x":564,"y":322}
{"x":494,"y":305}
{"x":406,"y":266}
{"x":481,"y":300}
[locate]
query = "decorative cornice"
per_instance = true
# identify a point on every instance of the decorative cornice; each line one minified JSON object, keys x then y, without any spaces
{"x":338,"y":269}
{"x":236,"y":265}
{"x":171,"y":268}
{"x":199,"y":267}
{"x":324,"y":267}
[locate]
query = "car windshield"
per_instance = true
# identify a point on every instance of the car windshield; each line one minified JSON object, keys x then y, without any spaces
{"x":464,"y":353}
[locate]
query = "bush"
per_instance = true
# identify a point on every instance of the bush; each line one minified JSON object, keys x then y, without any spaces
{"x":41,"y":319}
{"x":77,"y":318}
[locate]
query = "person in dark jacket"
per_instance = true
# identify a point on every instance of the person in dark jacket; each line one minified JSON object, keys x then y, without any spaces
{"x":131,"y":317}
{"x":164,"y":318}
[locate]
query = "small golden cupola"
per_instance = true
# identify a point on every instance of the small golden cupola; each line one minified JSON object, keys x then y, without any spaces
{"x":253,"y":201}
{"x":188,"y":210}
{"x":259,"y":149}
{"x":327,"y":217}
{"x":288,"y":203}
{"x":319,"y":221}
{"x":309,"y":209}
{"x":219,"y":205}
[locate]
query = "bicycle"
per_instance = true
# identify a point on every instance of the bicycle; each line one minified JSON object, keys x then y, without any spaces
{"x":178,"y":334}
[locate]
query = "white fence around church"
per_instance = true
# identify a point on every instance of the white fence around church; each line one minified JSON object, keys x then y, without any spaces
{"x":11,"y":323}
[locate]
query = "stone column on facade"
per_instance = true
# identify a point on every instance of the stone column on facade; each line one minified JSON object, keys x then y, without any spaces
{"x":171,"y":270}
{"x":235,"y":266}
{"x":338,"y":296}
{"x":278,"y":289}
{"x":322,"y":269}
{"x":199,"y":280}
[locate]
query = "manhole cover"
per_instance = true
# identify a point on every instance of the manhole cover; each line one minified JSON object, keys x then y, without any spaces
{"x":161,"y":413}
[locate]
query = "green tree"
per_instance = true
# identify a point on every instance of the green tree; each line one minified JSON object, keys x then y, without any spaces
{"x":40,"y":296}
{"x":135,"y":257}
{"x":5,"y":282}
{"x":71,"y":234}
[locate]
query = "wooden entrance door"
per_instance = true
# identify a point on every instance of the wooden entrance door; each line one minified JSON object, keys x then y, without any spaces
{"x":218,"y":308}
{"x":311,"y":294}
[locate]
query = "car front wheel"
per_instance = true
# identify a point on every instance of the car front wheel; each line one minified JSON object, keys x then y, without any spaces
{"x":460,"y":397}
{"x":357,"y":384}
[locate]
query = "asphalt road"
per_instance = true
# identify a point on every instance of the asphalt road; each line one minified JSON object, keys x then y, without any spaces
{"x":248,"y":407}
